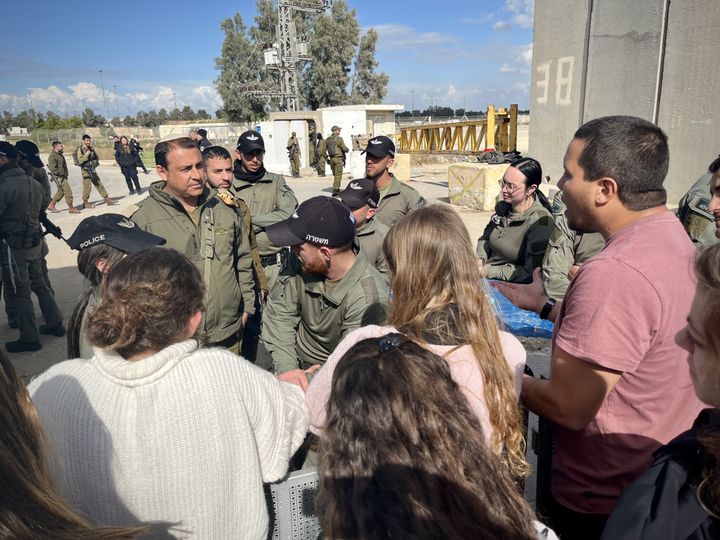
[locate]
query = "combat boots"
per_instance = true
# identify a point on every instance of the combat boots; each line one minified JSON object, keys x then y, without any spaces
{"x":51,"y":207}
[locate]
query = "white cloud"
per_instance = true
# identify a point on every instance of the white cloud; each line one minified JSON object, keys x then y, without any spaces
{"x":525,"y":54}
{"x":478,"y":20}
{"x":501,"y":25}
{"x":76,"y":97}
{"x":523,"y":10}
{"x":505,"y":68}
{"x":398,"y":36}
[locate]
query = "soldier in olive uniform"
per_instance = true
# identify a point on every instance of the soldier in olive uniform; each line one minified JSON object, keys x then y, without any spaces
{"x":312,"y":150}
{"x":270,"y":200}
{"x":59,"y":170}
{"x":293,"y":148}
{"x":194,"y":220}
{"x":336,"y":151}
{"x":87,"y":159}
{"x":328,"y":292}
{"x":566,"y":249}
{"x":714,"y":204}
{"x":396,"y":198}
{"x":362,"y":197}
{"x":693,"y":210}
{"x":21,"y":200}
{"x":219,"y":171}
{"x":321,"y":154}
{"x":29,"y":160}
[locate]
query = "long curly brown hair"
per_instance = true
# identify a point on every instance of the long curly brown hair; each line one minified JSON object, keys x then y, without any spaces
{"x":707,"y":268}
{"x":403,"y":456}
{"x":433,"y":266}
{"x":30,"y":505}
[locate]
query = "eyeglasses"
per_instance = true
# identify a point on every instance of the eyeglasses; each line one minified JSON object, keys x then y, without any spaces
{"x":504,"y":185}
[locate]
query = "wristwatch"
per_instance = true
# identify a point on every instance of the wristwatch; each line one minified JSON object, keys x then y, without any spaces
{"x":547,"y":308}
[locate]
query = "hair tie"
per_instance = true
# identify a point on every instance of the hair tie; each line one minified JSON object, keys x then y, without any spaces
{"x":387,"y":343}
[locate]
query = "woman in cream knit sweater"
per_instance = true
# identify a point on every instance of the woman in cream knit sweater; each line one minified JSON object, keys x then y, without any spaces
{"x":155,"y":430}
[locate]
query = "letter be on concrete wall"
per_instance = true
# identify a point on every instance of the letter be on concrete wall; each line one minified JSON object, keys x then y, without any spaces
{"x":647,"y":58}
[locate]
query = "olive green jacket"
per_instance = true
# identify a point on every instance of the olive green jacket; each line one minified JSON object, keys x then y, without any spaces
{"x":693,"y":212}
{"x":86,"y":158}
{"x":322,"y":150}
{"x":565,"y":249}
{"x":370,"y":237}
{"x":270,"y":200}
{"x":512,"y":245}
{"x":335,"y":147}
{"x":218,"y":246}
{"x":38,"y":174}
{"x":304,"y":322}
{"x":293,"y":146}
{"x":20,"y":205}
{"x":57,"y":165}
{"x":398,"y":201}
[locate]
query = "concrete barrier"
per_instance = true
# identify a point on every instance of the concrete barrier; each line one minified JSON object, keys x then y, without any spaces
{"x":475,"y":185}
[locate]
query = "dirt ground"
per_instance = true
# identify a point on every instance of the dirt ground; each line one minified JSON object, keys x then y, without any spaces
{"x":430,"y":180}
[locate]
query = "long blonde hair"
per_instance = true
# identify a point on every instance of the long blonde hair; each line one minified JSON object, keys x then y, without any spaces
{"x":30,"y":506}
{"x":433,"y":268}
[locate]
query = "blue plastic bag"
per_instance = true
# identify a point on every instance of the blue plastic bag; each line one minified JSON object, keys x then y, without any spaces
{"x":518,"y":321}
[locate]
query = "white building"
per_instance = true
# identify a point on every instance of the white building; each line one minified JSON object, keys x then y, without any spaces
{"x":370,"y":120}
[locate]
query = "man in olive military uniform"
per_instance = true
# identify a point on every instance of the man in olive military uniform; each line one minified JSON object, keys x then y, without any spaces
{"x":693,"y":210}
{"x":29,"y":161}
{"x":714,"y":204}
{"x":194,"y":220}
{"x":336,"y":151}
{"x":362,"y":197}
{"x":270,"y":200}
{"x":20,"y":206}
{"x":312,"y":150}
{"x":320,"y":154}
{"x":293,"y":148}
{"x":566,"y":251}
{"x":328,"y":292}
{"x":219,"y":172}
{"x":59,"y":170}
{"x":87,"y":159}
{"x":396,"y":199}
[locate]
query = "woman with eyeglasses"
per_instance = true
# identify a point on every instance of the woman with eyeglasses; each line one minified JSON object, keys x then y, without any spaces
{"x":514,"y":241}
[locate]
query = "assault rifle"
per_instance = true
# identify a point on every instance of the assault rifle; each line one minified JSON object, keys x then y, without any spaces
{"x":50,"y":227}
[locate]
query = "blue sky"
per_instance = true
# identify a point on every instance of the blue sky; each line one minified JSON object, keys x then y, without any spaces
{"x":463,"y":53}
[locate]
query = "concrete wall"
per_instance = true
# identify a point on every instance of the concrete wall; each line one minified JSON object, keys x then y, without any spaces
{"x":623,"y":44}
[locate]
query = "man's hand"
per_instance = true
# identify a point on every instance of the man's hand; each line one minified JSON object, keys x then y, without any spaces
{"x":296,"y":377}
{"x":245,"y":317}
{"x":530,"y":296}
{"x":573,"y":270}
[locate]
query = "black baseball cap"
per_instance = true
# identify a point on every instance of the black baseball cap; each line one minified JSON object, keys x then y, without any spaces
{"x":380,"y":146}
{"x":29,"y":151}
{"x":321,"y":221}
{"x":202,"y":132}
{"x":114,"y":230}
{"x":360,"y":192}
{"x":250,"y":141}
{"x":7,"y":150}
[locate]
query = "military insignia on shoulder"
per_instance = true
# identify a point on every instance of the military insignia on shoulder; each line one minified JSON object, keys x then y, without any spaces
{"x":226,"y":197}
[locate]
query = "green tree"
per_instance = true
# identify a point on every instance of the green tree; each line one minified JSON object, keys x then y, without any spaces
{"x":187,"y":113}
{"x":331,"y":49}
{"x":367,"y":85}
{"x":163,"y":116}
{"x":239,"y":66}
{"x":202,"y":114}
{"x":129,"y":121}
{"x":175,"y":114}
{"x":91,"y":119}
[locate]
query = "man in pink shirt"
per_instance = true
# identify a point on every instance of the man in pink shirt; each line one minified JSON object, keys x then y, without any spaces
{"x":619,"y":385}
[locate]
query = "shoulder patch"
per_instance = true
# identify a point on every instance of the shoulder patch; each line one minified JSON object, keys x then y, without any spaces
{"x":226,"y":197}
